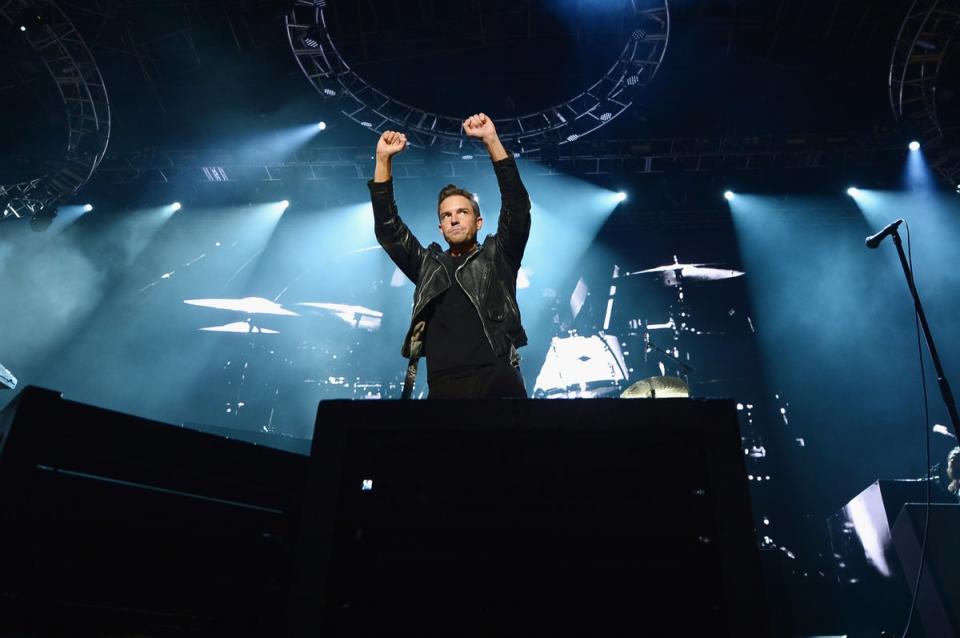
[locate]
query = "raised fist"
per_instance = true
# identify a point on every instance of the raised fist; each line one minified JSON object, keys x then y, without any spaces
{"x":480,"y":127}
{"x":391,"y":143}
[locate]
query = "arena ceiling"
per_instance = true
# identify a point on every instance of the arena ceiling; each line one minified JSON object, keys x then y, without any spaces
{"x":186,"y":75}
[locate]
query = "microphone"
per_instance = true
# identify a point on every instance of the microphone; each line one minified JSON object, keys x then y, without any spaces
{"x":874,"y":240}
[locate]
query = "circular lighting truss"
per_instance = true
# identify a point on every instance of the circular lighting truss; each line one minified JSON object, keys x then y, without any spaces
{"x":313,"y":46}
{"x":922,"y":47}
{"x":51,"y":35}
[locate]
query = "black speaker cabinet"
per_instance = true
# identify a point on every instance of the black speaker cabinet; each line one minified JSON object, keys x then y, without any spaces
{"x":938,"y":600}
{"x":114,"y":525}
{"x":583,"y":517}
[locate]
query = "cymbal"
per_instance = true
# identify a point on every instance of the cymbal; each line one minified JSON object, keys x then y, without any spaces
{"x":354,"y":316}
{"x":673,"y":266}
{"x":697,"y":273}
{"x":657,"y":388}
{"x":241,"y":327}
{"x":691,"y":272}
{"x":249,"y":305}
{"x":342,"y":308}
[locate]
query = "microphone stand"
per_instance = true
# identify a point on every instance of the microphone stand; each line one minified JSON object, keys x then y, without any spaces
{"x":941,"y":377}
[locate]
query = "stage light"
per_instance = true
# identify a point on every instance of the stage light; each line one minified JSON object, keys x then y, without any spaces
{"x":284,"y":205}
{"x":23,"y":28}
{"x":322,"y":126}
{"x":853,"y":191}
{"x":87,"y":208}
{"x":621,"y":196}
{"x":914,"y":145}
{"x":176,"y":206}
{"x":728,"y":195}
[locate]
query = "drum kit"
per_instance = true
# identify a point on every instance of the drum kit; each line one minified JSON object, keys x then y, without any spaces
{"x":296,"y":353}
{"x":600,"y":364}
{"x":306,"y":351}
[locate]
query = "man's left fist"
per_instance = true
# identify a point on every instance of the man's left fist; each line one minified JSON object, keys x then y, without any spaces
{"x":480,"y":127}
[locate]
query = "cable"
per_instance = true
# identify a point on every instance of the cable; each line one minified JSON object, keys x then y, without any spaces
{"x":926,"y":430}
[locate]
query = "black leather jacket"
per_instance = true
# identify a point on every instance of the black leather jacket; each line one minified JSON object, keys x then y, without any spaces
{"x":488,"y":276}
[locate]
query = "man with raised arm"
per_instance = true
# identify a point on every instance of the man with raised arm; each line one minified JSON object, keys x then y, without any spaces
{"x":466,"y":320}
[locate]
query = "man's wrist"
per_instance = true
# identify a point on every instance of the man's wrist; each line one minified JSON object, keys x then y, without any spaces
{"x":495,"y":148}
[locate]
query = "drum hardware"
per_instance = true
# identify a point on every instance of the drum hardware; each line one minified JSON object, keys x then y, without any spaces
{"x":674,"y":356}
{"x":254,"y":307}
{"x":673,"y":275}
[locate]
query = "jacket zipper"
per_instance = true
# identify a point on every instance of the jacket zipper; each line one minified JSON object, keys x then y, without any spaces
{"x":424,"y":287}
{"x":476,"y":304}
{"x":417,"y":302}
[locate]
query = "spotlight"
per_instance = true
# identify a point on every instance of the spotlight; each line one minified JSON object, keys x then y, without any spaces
{"x":23,"y":28}
{"x":284,"y":205}
{"x":322,"y":126}
{"x":87,"y":208}
{"x":728,"y":195}
{"x":853,"y":191}
{"x":176,"y":206}
{"x":914,"y":145}
{"x":621,"y":196}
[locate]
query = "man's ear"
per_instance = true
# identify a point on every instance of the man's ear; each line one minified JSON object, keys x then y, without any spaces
{"x":479,"y":223}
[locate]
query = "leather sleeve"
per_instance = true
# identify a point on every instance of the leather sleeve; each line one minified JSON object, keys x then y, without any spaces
{"x":392,"y":234}
{"x":513,"y":230}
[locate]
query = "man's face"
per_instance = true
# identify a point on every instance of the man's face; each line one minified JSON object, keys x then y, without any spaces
{"x":458,"y":223}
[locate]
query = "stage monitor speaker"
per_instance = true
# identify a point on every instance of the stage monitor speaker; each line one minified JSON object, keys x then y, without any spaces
{"x":872,"y":593}
{"x":938,"y":601}
{"x":115,"y":525}
{"x":528,"y":518}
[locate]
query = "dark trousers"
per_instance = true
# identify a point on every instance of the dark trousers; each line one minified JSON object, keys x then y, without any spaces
{"x":496,"y":381}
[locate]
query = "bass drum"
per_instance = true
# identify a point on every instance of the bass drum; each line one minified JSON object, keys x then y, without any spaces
{"x":582,"y":367}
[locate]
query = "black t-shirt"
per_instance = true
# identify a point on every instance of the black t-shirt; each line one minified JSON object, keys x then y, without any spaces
{"x":455,"y":339}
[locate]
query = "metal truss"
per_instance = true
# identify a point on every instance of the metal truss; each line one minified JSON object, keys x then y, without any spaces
{"x":49,"y":32}
{"x":599,"y":157}
{"x":611,"y":95}
{"x":921,"y":48}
